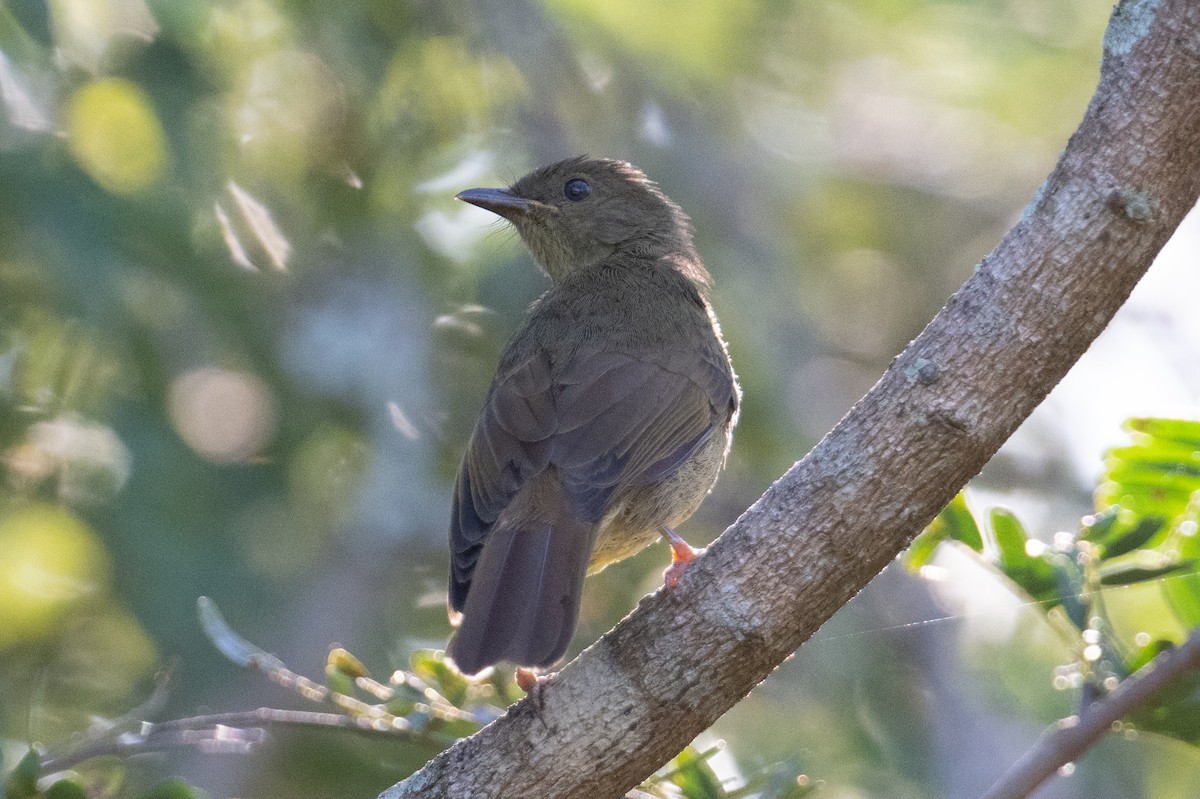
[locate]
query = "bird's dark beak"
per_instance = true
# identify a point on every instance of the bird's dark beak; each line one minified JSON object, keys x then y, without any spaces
{"x":498,"y":201}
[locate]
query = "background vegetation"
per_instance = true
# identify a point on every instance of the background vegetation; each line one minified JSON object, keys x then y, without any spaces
{"x":244,"y":329}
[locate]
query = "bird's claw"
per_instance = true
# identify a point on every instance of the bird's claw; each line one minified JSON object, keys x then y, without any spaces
{"x":682,"y":555}
{"x":527,"y":680}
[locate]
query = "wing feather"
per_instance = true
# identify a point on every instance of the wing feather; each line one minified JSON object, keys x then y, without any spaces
{"x":607,"y":420}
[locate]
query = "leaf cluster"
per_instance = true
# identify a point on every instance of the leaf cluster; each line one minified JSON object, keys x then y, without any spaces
{"x":1124,"y":585}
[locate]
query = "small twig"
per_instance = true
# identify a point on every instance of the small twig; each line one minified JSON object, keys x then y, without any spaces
{"x":1070,"y":738}
{"x":135,"y":717}
{"x":101,"y":735}
{"x":241,"y":731}
{"x":235,"y":732}
{"x":246,"y":654}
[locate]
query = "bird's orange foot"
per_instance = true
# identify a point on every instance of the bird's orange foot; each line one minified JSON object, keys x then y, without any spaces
{"x":531,"y":683}
{"x":682,"y":554}
{"x":527,"y":680}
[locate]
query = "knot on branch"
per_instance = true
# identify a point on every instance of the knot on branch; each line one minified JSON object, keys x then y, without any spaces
{"x":1136,"y":206}
{"x":922,"y":371}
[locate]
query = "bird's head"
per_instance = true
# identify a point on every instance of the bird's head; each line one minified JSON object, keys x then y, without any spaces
{"x":576,"y":213}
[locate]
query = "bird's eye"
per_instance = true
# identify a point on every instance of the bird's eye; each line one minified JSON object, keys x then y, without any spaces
{"x":577,"y":189}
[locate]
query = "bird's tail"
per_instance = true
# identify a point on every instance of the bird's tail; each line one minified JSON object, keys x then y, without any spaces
{"x":524,"y":596}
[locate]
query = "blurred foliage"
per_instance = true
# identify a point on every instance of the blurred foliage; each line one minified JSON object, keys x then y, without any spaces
{"x":426,"y":707}
{"x":1125,"y":585}
{"x":245,"y":328}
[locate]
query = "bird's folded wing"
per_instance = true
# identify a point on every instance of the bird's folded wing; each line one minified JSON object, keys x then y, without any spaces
{"x":609,"y":421}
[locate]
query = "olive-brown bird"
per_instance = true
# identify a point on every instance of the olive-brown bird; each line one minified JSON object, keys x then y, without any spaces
{"x":609,"y":417}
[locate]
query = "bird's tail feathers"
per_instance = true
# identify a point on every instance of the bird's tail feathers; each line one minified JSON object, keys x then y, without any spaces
{"x":524,"y":596}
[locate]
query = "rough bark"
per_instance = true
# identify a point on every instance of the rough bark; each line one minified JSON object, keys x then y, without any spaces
{"x":835,"y":519}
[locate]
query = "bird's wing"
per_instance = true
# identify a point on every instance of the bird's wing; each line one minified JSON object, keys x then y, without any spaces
{"x":626,"y":420}
{"x":609,"y":421}
{"x":509,"y":446}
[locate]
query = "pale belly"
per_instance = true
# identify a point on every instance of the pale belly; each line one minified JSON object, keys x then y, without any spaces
{"x":639,"y":517}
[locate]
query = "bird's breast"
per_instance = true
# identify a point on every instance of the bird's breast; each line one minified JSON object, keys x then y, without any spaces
{"x":639,"y":515}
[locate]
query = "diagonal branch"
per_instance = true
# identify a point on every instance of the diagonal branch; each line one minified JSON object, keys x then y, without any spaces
{"x":1073,"y":736}
{"x":668,"y":671}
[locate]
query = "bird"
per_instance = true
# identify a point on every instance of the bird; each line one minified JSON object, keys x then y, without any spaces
{"x":609,"y":418}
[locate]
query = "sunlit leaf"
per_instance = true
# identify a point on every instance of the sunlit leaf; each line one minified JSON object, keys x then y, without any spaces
{"x":52,"y":562}
{"x":1145,"y":529}
{"x":687,"y":38}
{"x":342,"y":669}
{"x":1182,"y":593}
{"x":65,"y":789}
{"x":1179,"y":431}
{"x":115,"y":135}
{"x":1158,"y":473}
{"x":170,"y":789}
{"x":439,"y":87}
{"x":22,"y":780}
{"x":431,"y":666}
{"x":1009,"y":535}
{"x":1099,"y":527}
{"x":1139,"y":571}
{"x":691,"y":772}
{"x":86,"y":30}
{"x":1174,"y":711}
{"x":954,"y":523}
{"x":1031,"y":572}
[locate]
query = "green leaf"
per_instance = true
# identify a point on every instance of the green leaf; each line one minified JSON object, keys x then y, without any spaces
{"x":1033,"y":573}
{"x":694,"y":776}
{"x":1144,"y":530}
{"x":171,"y":789}
{"x":431,"y":666}
{"x":1180,"y":431}
{"x":1182,"y":593}
{"x":921,"y":550}
{"x":22,"y":781}
{"x":1158,"y":473}
{"x":342,"y":670}
{"x":954,"y":523}
{"x":1147,"y":653}
{"x":960,"y":524}
{"x":1068,"y":581}
{"x":1174,"y":711}
{"x":65,"y":789}
{"x":1009,"y":535}
{"x":1149,"y":487}
{"x":1098,"y":528}
{"x":1139,"y":570}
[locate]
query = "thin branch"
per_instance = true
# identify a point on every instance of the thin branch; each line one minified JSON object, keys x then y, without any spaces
{"x":246,"y":654}
{"x":1031,"y":309}
{"x":228,"y":733}
{"x":1067,"y":740}
{"x":241,"y":731}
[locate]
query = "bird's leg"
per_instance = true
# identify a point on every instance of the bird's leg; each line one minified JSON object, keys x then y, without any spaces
{"x":682,"y":554}
{"x":527,"y":679}
{"x":531,"y":683}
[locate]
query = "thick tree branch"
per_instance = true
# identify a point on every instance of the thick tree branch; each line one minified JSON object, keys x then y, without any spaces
{"x":668,"y":671}
{"x":1073,"y":736}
